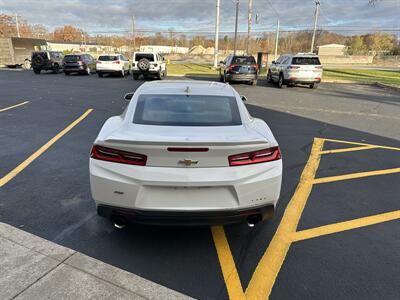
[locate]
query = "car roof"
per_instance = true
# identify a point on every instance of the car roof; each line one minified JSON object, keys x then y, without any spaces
{"x":184,"y":87}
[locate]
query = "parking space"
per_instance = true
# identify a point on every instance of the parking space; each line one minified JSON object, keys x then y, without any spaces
{"x":336,"y":231}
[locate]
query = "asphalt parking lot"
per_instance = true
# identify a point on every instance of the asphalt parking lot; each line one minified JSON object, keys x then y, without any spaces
{"x":336,"y":234}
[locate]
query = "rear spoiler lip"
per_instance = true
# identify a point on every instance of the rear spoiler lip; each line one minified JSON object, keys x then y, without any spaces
{"x":184,"y":143}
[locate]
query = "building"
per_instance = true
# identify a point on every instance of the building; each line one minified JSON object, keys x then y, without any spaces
{"x":332,"y":49}
{"x":164,"y":49}
{"x":79,"y":47}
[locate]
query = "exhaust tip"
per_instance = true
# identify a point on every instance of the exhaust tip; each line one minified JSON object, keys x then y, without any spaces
{"x":253,"y":220}
{"x":118,"y":222}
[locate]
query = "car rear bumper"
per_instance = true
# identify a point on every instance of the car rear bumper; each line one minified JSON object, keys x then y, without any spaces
{"x":209,"y":193}
{"x":74,"y":69}
{"x":241,"y":77}
{"x":302,"y":80}
{"x":151,"y":72}
{"x":198,"y":218}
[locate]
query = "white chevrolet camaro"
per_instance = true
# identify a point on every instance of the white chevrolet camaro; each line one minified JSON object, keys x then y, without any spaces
{"x":185,"y":152}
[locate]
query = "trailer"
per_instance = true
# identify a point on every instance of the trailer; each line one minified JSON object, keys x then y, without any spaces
{"x":16,"y":52}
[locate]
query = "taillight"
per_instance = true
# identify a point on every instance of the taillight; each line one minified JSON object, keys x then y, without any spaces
{"x":80,"y":62}
{"x":255,"y":66}
{"x":231,"y":67}
{"x":293,"y":67}
{"x":116,"y":62}
{"x":255,"y":157}
{"x":98,"y":62}
{"x":117,"y":156}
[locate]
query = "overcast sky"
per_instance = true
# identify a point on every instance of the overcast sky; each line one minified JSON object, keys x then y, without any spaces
{"x":187,"y":15}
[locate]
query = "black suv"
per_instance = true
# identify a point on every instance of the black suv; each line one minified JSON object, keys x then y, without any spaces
{"x":46,"y":60}
{"x":239,"y":68}
{"x":79,"y":63}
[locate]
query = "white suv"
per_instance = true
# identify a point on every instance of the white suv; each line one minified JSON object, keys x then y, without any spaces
{"x":148,"y":63}
{"x":300,"y":68}
{"x":113,"y":63}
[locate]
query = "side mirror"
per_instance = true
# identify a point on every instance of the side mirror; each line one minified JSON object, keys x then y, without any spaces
{"x":128,"y":96}
{"x":244,"y":99}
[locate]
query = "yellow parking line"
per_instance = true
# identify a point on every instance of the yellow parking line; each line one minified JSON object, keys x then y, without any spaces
{"x":229,"y":271}
{"x":343,"y":226}
{"x":348,"y":149}
{"x":13,"y":106}
{"x":355,"y":175}
{"x":267,"y":270}
{"x":42,"y":149}
{"x":362,"y":144}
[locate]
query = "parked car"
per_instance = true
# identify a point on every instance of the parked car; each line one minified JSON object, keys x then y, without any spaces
{"x":239,"y":68}
{"x":113,"y":64}
{"x":185,"y":152}
{"x":46,"y":60}
{"x":79,"y":63}
{"x":148,"y":64}
{"x":300,"y":68}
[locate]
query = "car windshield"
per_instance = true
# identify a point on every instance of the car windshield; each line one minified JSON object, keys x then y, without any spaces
{"x":72,"y":58}
{"x":306,"y":61}
{"x":108,"y":58}
{"x":148,"y":56}
{"x":183,"y":110}
{"x":243,"y":60}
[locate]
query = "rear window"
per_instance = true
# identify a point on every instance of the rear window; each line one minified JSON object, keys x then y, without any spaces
{"x":243,"y":60}
{"x":182,"y":110}
{"x":108,"y":58}
{"x":72,"y":58}
{"x":148,"y":56}
{"x":306,"y":61}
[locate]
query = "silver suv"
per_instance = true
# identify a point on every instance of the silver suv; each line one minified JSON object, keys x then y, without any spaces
{"x":300,"y":68}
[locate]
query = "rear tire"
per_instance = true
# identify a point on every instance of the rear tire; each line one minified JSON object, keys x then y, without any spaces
{"x":135,"y":76}
{"x":36,"y":71}
{"x":313,"y":85}
{"x":66,"y":73}
{"x":280,"y":81}
{"x":159,"y":75}
{"x":269,"y":76}
{"x":100,"y":74}
{"x":56,"y":69}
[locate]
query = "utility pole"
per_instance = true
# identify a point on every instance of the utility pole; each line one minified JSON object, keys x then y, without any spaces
{"x":317,"y":4}
{"x":276,"y":40}
{"x":250,"y":12}
{"x":216,"y":50}
{"x":17,"y":24}
{"x":134,"y":32}
{"x":236,"y":27}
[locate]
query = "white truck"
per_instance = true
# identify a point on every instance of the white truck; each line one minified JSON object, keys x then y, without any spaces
{"x":148,"y":64}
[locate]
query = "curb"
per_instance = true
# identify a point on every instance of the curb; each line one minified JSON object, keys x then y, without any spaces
{"x":35,"y":268}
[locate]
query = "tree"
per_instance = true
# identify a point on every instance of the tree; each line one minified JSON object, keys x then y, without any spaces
{"x":68,"y":33}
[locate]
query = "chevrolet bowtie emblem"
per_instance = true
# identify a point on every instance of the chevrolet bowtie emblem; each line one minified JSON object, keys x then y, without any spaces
{"x":188,"y":162}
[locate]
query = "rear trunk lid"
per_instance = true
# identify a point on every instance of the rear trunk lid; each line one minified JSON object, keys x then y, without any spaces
{"x":194,"y":147}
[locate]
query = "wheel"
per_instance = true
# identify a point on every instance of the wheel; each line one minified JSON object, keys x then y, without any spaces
{"x":66,"y":73}
{"x":221,"y":78}
{"x":159,"y":75}
{"x":313,"y":85}
{"x":165,"y":73}
{"x":280,"y":81}
{"x":143,"y":65}
{"x":224,"y":79}
{"x":135,"y":76}
{"x":128,"y":72}
{"x":269,"y":77}
{"x":36,"y":71}
{"x":88,"y":71}
{"x":56,"y":69}
{"x":27,"y":64}
{"x":100,"y":74}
